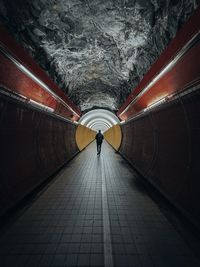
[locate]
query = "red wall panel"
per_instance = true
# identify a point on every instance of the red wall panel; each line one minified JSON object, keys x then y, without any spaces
{"x":14,"y":78}
{"x":186,"y":71}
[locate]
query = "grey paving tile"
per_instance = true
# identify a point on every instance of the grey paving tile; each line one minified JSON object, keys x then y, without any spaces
{"x":78,"y":230}
{"x":119,"y":249}
{"x":74,"y":248}
{"x":134,"y":260}
{"x":120,"y":260}
{"x":88,"y":223}
{"x":62,"y":248}
{"x":87,"y":230}
{"x":98,"y":223}
{"x":97,"y":260}
{"x":22,"y":249}
{"x":116,"y":238}
{"x":83,"y":260}
{"x":146,"y":261}
{"x":97,"y":238}
{"x":68,"y":229}
{"x":46,"y":260}
{"x":33,"y":260}
{"x":50,"y":248}
{"x":85,"y":247}
{"x":59,"y":260}
{"x":182,"y":261}
{"x":15,"y":260}
{"x":55,"y":238}
{"x":65,"y":238}
{"x":97,"y":230}
{"x":130,"y":249}
{"x":97,"y":248}
{"x":76,"y":238}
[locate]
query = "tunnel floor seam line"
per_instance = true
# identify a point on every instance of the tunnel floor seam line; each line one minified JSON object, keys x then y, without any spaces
{"x":108,"y":258}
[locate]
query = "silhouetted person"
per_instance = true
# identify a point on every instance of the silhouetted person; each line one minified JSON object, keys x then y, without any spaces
{"x":99,"y":139}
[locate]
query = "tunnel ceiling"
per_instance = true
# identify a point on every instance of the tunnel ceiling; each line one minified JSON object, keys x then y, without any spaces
{"x":99,"y":119}
{"x":96,"y":51}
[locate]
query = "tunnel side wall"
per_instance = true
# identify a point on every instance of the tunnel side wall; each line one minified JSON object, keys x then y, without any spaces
{"x":84,"y":136}
{"x":33,"y":145}
{"x":164,"y":146}
{"x":23,"y":76}
{"x":114,"y":136}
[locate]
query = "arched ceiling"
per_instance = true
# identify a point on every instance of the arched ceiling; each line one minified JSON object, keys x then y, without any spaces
{"x":99,"y":119}
{"x":95,"y":50}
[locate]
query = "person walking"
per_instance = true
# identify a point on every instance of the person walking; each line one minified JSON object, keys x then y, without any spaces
{"x":99,"y":139}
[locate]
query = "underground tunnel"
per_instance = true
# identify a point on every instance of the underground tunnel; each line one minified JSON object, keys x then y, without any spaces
{"x":69,"y":68}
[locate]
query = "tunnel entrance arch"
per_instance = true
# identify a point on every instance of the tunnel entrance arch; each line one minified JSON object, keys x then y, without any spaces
{"x":99,"y":119}
{"x":93,"y":121}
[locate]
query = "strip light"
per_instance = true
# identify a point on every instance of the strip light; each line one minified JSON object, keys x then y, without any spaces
{"x":166,"y":69}
{"x":37,"y":104}
{"x":27,"y":101}
{"x":34,"y":77}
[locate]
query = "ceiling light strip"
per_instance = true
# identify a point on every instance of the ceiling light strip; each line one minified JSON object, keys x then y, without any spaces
{"x":169,"y":99}
{"x":99,"y":123}
{"x":166,"y":69}
{"x":31,"y":103}
{"x":99,"y":120}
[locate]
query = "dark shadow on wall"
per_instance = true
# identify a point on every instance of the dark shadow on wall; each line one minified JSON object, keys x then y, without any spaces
{"x":34,"y":145}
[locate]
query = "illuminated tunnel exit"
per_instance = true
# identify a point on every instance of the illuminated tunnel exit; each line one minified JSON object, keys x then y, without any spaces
{"x":95,"y":120}
{"x":67,"y":70}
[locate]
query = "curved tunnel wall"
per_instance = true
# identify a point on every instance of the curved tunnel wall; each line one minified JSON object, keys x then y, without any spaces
{"x":37,"y":135}
{"x":162,"y":140}
{"x":34,"y":145}
{"x":84,"y":136}
{"x":114,"y":136}
{"x":164,"y":147}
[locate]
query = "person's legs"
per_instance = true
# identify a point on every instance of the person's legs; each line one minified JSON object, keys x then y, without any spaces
{"x":97,"y":148}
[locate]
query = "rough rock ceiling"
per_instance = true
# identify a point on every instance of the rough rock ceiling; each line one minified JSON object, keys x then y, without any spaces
{"x":95,"y":50}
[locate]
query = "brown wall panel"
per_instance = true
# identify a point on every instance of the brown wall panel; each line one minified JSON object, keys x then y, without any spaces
{"x":33,"y":146}
{"x":163,"y":145}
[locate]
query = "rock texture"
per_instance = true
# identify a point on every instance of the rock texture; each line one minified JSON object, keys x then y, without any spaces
{"x":95,"y":50}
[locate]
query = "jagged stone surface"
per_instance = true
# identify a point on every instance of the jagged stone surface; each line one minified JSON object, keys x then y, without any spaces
{"x":95,"y":50}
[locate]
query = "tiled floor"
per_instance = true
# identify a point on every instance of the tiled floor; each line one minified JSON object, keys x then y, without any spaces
{"x":69,"y":224}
